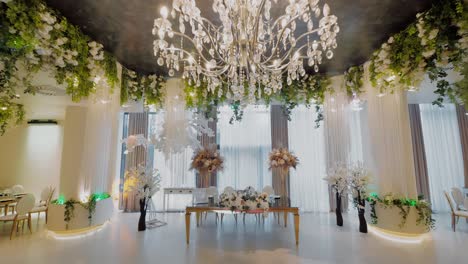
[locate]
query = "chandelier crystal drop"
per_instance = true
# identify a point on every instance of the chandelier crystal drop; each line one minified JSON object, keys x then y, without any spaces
{"x":249,"y":50}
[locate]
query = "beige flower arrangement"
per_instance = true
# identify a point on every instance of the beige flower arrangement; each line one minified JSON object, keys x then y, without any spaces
{"x":207,"y":160}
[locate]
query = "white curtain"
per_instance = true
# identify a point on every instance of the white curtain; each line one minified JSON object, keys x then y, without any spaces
{"x":308,"y":190}
{"x":443,"y":151}
{"x":245,"y":147}
{"x":174,"y":171}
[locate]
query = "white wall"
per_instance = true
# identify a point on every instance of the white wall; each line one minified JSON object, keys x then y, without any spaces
{"x":30,"y":155}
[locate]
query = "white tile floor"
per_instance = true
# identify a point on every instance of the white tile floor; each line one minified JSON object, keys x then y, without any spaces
{"x":321,"y":242}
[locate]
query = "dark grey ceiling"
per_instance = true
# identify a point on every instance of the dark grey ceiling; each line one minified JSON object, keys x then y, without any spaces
{"x":124,"y":26}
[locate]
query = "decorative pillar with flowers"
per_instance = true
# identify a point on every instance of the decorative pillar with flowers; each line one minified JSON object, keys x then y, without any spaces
{"x":207,"y":161}
{"x":281,"y":160}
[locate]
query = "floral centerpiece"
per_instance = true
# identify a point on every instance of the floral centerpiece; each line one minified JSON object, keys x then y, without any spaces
{"x":337,"y":178}
{"x":283,"y":159}
{"x":359,"y":179}
{"x":404,"y":204}
{"x":245,"y":200}
{"x":207,"y":160}
{"x":145,"y":182}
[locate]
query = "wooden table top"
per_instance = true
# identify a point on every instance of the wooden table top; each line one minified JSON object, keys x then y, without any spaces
{"x":203,"y":208}
{"x":7,"y":199}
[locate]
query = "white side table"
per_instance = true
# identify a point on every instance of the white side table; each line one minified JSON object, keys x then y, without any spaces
{"x":175,"y":191}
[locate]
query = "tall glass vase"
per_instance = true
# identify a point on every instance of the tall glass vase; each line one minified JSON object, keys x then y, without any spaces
{"x":204,"y":178}
{"x":339,"y":216}
{"x":284,"y":171}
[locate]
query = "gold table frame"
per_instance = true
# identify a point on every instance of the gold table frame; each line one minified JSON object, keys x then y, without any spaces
{"x":198,"y":210}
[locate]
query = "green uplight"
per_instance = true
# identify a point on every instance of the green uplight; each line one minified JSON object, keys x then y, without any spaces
{"x":412,"y":202}
{"x":101,"y":196}
{"x":61,"y":199}
{"x":374,"y":194}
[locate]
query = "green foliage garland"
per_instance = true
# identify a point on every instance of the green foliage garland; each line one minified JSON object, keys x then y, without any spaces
{"x":90,"y":205}
{"x":310,"y":90}
{"x":136,"y":86}
{"x":435,"y":43}
{"x":353,"y":80}
{"x":422,"y":207}
{"x":35,"y":37}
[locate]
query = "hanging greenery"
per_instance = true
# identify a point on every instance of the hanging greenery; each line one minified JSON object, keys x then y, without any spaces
{"x":90,"y":205}
{"x":353,"y":79}
{"x":422,"y":207}
{"x":310,"y":90}
{"x":34,"y":37}
{"x":434,"y":44}
{"x":137,"y":86}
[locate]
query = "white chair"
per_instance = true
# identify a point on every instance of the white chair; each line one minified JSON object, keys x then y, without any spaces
{"x":456,"y":214}
{"x":268,"y":190}
{"x":229,"y":190}
{"x":23,"y":207}
{"x":250,"y":189}
{"x":200,"y":196}
{"x":43,"y":205}
{"x":459,"y":198}
{"x":17,"y":189}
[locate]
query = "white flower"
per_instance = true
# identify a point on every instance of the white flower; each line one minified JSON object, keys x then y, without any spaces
{"x":433,"y":33}
{"x":428,"y":54}
{"x":390,"y":40}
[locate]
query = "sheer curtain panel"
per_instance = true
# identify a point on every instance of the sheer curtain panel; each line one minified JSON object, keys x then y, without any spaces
{"x":245,"y":147}
{"x":308,"y":190}
{"x":443,"y":152}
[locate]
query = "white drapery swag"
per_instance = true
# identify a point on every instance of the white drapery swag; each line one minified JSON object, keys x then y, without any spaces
{"x":174,"y":170}
{"x":99,"y":156}
{"x":245,"y":147}
{"x":308,"y":190}
{"x":443,"y":152}
{"x":389,"y":138}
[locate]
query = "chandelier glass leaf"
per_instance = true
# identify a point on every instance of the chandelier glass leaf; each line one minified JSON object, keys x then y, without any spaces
{"x":249,"y":50}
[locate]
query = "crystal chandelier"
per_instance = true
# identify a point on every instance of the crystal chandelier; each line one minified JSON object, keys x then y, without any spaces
{"x":250,"y":51}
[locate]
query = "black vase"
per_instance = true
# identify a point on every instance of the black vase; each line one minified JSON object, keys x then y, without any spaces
{"x":339,"y":217}
{"x":142,"y":220}
{"x":361,"y":211}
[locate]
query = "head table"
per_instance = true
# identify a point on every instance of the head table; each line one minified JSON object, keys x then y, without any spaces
{"x":199,"y":209}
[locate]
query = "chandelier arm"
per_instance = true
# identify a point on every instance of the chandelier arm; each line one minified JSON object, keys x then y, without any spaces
{"x":194,"y":44}
{"x":260,"y":8}
{"x":290,"y":50}
{"x":281,"y":35}
{"x":208,"y":34}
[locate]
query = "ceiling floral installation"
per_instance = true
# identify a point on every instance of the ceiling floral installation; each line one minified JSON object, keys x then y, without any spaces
{"x":434,"y":44}
{"x":34,"y":37}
